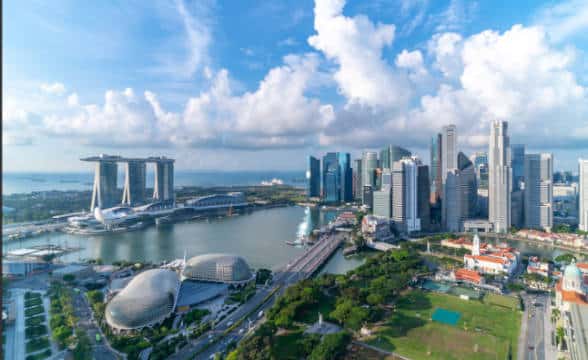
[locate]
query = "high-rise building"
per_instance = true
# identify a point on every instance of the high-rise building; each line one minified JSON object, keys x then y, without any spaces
{"x":383,"y":202}
{"x":517,"y":209}
{"x":135,"y":178}
{"x":460,"y":195}
{"x":368,"y":196}
{"x":435,"y":177}
{"x":583,"y":194}
{"x":499,"y":177}
{"x":390,"y":154}
{"x":538,"y":191}
{"x":331,"y":178}
{"x":357,"y":187}
{"x":313,"y":176}
{"x":346,"y":177}
{"x":423,"y":196}
{"x":104,"y":190}
{"x":369,"y":163}
{"x":404,"y":195}
{"x":448,"y":150}
{"x":163,"y":187}
{"x":518,"y":165}
{"x":386,"y":178}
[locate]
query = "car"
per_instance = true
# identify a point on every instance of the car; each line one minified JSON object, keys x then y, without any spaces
{"x":531,"y":347}
{"x":241,"y":331}
{"x":260,"y":314}
{"x":229,"y":323}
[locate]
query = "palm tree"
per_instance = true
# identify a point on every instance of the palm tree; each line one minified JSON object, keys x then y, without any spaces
{"x":555,"y":314}
{"x":559,"y":336}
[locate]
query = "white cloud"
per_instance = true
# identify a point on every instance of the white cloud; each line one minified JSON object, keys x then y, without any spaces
{"x":355,"y":45}
{"x":564,"y":20}
{"x":277,"y":114}
{"x":73,"y":100}
{"x":56,"y":88}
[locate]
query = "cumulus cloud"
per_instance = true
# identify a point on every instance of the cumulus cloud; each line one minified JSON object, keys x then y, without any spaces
{"x":55,"y":88}
{"x":564,"y":20}
{"x":515,"y":76}
{"x":277,"y":114}
{"x":355,"y":44}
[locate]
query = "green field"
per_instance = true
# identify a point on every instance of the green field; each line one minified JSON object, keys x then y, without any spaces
{"x":483,"y":331}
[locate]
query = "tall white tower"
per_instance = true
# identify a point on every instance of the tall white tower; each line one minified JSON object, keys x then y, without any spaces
{"x":583,"y":194}
{"x":499,"y":177}
{"x":476,"y":245}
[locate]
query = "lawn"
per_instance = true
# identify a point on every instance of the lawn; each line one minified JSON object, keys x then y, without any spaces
{"x":509,"y":302}
{"x":483,"y":331}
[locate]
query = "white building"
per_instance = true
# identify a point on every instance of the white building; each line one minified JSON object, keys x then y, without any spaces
{"x":497,"y":261}
{"x":405,"y":194}
{"x":499,"y":177}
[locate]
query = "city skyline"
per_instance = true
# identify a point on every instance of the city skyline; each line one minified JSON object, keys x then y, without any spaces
{"x":215,"y":77}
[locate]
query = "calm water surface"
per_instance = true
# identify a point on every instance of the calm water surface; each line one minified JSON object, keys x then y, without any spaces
{"x":260,"y":237}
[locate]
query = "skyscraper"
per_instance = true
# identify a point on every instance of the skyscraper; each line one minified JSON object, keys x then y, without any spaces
{"x":435,"y":178}
{"x":345,"y":175}
{"x":163,"y":187}
{"x":369,"y":163}
{"x":331,"y":178}
{"x":383,"y":202}
{"x":404,"y":195}
{"x":499,"y":177}
{"x":357,"y":187}
{"x":518,"y":165}
{"x":423,"y":196}
{"x":460,"y":195}
{"x":448,"y":150}
{"x":390,"y":154}
{"x":313,"y":176}
{"x":538,"y":191}
{"x":105,"y":176}
{"x":583,"y":194}
{"x":135,"y":178}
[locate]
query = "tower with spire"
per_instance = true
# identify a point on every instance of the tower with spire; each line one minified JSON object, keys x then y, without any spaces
{"x":476,"y":245}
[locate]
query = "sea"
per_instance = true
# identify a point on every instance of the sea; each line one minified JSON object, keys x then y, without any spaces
{"x":22,"y":183}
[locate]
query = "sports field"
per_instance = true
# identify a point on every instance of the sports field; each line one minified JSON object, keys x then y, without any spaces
{"x":483,"y":331}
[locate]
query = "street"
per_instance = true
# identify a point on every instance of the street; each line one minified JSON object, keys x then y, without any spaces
{"x":538,"y":333}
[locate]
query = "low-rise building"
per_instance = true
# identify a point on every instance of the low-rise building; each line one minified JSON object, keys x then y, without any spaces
{"x":468,"y":276}
{"x":535,"y":266}
{"x":502,"y":260}
{"x":375,"y":228}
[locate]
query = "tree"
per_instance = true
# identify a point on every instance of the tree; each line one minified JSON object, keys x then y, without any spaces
{"x":332,"y":346}
{"x":559,"y":336}
{"x":375,"y":299}
{"x":69,"y":277}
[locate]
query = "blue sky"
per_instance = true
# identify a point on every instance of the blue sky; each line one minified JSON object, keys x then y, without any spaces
{"x":259,"y":85}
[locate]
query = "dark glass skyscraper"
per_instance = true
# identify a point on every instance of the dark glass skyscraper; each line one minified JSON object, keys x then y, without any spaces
{"x":346,"y":176}
{"x":313,"y":175}
{"x":518,"y":165}
{"x":331,"y":178}
{"x":391,"y":154}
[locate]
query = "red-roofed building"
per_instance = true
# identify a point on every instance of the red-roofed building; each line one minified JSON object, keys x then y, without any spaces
{"x":498,"y":261}
{"x":469,"y":276}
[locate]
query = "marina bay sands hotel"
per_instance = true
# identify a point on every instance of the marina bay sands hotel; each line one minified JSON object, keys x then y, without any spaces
{"x":104,"y":193}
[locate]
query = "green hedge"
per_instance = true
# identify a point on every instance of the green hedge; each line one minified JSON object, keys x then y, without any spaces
{"x":36,"y":310}
{"x":35,"y":331}
{"x":35,"y":320}
{"x":37,"y":344}
{"x":33,"y":302}
{"x":40,"y":356}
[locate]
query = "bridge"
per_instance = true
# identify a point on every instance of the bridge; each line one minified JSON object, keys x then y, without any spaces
{"x":302,"y":267}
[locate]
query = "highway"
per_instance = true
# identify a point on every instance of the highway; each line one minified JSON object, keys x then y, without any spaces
{"x":536,"y":306}
{"x":300,"y":268}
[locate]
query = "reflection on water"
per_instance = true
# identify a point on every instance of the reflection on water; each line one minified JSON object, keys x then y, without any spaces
{"x":260,"y":237}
